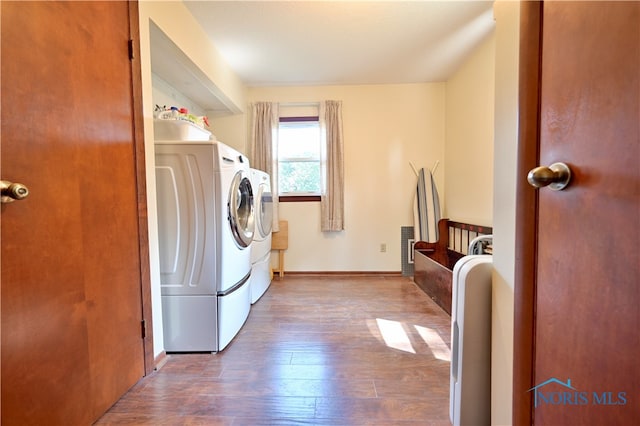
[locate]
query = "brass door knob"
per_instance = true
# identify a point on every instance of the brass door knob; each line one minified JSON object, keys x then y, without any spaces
{"x":556,"y":176}
{"x":10,"y":191}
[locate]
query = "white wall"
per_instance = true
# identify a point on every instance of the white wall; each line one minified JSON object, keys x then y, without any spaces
{"x":175,"y":21}
{"x":385,"y":128}
{"x":469,"y":138}
{"x":231,"y":130}
{"x":507,"y":15}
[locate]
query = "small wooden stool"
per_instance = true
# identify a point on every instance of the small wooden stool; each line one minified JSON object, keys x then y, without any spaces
{"x":280,"y":242}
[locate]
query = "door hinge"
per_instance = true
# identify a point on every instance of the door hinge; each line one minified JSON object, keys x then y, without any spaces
{"x":143,"y":328}
{"x":131,"y":50}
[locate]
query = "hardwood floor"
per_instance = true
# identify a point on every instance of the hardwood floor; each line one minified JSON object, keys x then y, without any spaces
{"x":314,"y":351}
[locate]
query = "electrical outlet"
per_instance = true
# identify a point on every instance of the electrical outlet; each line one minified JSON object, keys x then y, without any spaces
{"x":383,"y":248}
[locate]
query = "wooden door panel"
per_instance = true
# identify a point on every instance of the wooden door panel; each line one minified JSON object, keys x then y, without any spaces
{"x":71,"y":292}
{"x":587,"y":293}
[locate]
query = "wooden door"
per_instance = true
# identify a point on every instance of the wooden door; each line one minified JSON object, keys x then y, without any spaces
{"x":71,"y":258}
{"x":577,"y":292}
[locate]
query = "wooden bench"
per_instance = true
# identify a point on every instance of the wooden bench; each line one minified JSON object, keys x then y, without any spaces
{"x":433,"y":262}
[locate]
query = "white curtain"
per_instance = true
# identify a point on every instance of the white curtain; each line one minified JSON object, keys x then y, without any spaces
{"x":263,"y":147}
{"x":332,"y":197}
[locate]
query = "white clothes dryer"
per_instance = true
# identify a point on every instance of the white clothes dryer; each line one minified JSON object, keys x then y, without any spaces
{"x":205,"y":227}
{"x":261,"y":245}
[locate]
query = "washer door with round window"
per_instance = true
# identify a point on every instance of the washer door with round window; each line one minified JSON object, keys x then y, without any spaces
{"x":240,"y":210}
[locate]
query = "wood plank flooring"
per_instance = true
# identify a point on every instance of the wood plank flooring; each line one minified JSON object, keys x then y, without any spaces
{"x":314,"y":351}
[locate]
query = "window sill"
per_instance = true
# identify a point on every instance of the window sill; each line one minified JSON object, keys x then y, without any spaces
{"x":298,"y":198}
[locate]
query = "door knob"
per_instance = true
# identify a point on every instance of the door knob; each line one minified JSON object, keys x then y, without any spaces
{"x":10,"y":192}
{"x":556,"y":176}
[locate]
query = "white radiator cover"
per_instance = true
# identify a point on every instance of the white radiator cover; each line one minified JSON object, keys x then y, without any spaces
{"x":470,"y":388}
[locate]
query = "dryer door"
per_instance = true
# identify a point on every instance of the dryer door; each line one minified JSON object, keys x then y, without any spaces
{"x":264,"y":214}
{"x":240,"y":209}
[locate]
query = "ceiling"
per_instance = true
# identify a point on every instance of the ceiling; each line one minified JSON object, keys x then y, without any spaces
{"x":284,"y":43}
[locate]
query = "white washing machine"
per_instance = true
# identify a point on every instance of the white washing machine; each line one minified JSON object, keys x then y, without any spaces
{"x":205,"y":228}
{"x":261,"y":245}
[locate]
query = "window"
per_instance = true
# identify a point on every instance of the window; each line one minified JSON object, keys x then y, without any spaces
{"x":299,"y":159}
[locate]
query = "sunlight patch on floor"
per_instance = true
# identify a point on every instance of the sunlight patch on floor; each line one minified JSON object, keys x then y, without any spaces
{"x":394,"y":335}
{"x":406,"y":338}
{"x":438,"y":347}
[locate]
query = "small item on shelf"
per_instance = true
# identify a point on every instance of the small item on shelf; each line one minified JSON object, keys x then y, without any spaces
{"x":165,"y":115}
{"x":175,"y":113}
